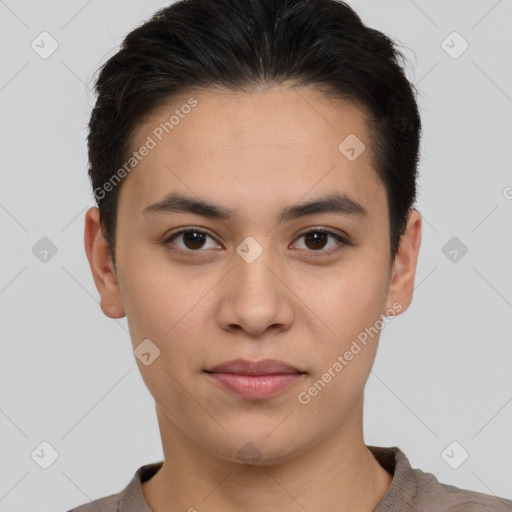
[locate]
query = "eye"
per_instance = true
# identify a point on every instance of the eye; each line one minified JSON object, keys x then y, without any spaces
{"x":316,"y":240}
{"x":192,"y":240}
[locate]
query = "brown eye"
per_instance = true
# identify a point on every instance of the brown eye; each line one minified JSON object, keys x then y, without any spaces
{"x":192,"y":240}
{"x":189,"y":241}
{"x":317,"y":240}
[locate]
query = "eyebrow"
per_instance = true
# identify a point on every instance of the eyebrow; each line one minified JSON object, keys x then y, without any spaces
{"x":341,"y":204}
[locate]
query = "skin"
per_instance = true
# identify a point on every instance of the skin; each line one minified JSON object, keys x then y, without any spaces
{"x":256,"y":153}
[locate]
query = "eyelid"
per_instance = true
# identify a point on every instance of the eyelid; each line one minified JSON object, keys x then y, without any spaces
{"x":168,"y":239}
{"x":342,"y":239}
{"x":328,"y":230}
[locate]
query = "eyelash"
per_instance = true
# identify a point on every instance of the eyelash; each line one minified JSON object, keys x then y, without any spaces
{"x":342,"y":241}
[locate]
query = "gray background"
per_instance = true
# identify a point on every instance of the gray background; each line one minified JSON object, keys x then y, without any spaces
{"x":67,"y":373}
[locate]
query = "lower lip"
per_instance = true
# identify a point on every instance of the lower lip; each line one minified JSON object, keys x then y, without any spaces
{"x":256,"y":387}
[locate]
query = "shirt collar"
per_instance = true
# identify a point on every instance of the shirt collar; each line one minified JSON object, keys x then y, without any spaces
{"x":399,"y":496}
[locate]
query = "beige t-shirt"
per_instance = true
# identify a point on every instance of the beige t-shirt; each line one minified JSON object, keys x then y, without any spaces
{"x":411,"y":490}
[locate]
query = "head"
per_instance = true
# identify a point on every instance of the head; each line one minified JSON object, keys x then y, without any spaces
{"x":284,"y":136}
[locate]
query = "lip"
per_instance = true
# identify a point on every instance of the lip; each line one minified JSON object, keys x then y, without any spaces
{"x":262,"y":367}
{"x":255,"y":380}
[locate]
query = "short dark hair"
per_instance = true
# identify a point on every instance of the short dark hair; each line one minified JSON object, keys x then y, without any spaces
{"x":240,"y":45}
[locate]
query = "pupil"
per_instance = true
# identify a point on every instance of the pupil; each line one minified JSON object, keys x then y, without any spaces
{"x":317,"y":236}
{"x":194,"y":238}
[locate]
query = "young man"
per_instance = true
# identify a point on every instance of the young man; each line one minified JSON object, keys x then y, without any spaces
{"x":254,"y":164}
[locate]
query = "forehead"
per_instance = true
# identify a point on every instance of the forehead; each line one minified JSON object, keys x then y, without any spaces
{"x":291,"y":142}
{"x":276,"y":116}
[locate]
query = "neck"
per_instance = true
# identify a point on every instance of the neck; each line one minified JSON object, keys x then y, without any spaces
{"x":339,"y":473}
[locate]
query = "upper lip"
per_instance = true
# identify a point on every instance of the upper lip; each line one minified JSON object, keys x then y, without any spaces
{"x":262,"y":367}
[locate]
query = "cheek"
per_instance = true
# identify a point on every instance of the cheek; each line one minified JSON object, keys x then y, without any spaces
{"x":156,"y":307}
{"x":351,"y":305}
{"x":163,"y":305}
{"x":348,"y":299}
{"x":150,"y":294}
{"x":345,"y":358}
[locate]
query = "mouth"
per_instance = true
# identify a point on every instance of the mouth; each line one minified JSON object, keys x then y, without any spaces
{"x":255,"y":380}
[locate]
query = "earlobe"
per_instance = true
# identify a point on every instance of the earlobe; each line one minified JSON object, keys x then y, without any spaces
{"x":404,"y":266}
{"x":102,"y":268}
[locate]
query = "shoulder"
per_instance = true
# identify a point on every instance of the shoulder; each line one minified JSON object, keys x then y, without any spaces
{"x":130,"y":498}
{"x":107,"y":504}
{"x":413,"y":490}
{"x":434,"y":495}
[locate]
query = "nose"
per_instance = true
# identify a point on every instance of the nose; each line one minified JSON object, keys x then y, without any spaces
{"x":256,"y":297}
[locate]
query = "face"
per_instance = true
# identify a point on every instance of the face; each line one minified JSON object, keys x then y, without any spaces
{"x":255,"y":275}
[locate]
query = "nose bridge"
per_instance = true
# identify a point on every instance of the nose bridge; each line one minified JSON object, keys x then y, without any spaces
{"x":253,"y":269}
{"x":257,"y":296}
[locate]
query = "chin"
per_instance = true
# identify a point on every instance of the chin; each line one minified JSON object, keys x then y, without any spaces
{"x":258,"y":449}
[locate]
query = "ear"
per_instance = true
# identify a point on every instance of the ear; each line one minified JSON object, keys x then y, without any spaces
{"x":401,"y":285}
{"x":102,"y":268}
